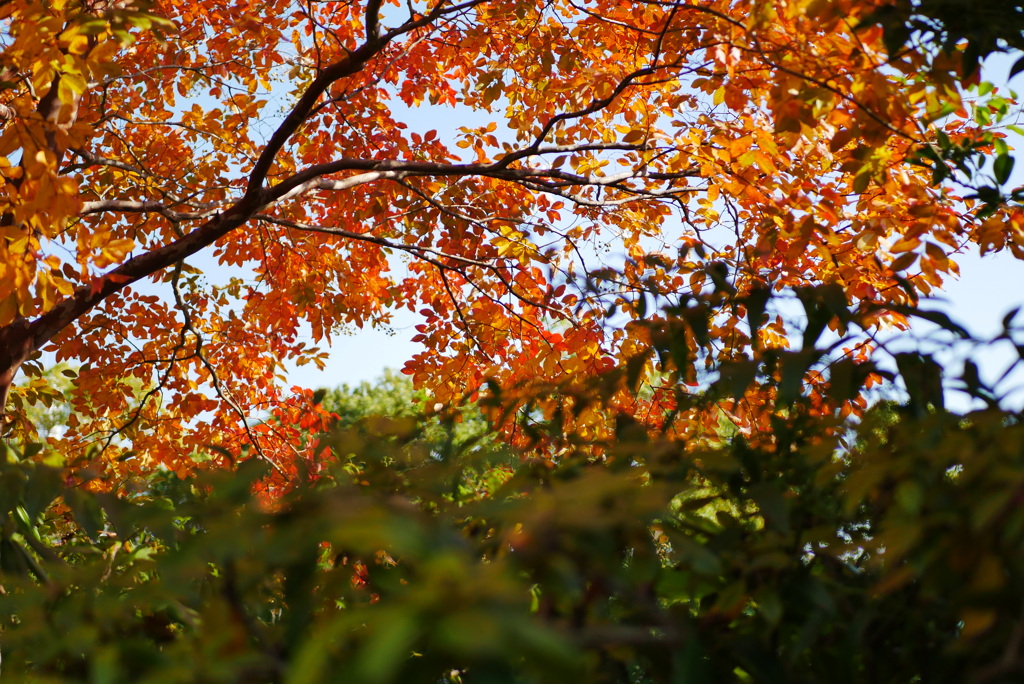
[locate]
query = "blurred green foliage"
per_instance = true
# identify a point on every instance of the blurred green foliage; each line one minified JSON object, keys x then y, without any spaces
{"x":441,"y":430}
{"x":886,"y":549}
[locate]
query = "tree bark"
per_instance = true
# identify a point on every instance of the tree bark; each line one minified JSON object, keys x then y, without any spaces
{"x":15,"y":347}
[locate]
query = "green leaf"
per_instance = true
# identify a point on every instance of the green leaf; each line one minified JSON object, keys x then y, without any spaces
{"x":1003,"y":167}
{"x":770,"y":604}
{"x":389,"y":645}
{"x":86,"y":510}
{"x":44,"y":485}
{"x":756,"y":303}
{"x":734,"y":377}
{"x":13,"y":559}
{"x":922,"y":377}
{"x":1017,"y":67}
{"x":794,"y":366}
{"x":772,"y":504}
{"x":861,"y":181}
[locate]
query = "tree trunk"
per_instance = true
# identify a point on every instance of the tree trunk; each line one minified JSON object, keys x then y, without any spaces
{"x":15,"y":347}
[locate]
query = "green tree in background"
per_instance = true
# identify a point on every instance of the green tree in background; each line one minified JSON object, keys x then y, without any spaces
{"x":391,"y":404}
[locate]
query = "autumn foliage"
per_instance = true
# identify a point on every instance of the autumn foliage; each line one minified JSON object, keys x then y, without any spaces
{"x":652,"y":434}
{"x":194,"y":190}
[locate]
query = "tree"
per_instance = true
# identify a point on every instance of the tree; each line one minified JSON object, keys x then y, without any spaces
{"x":734,"y":146}
{"x":699,"y":488}
{"x":885,"y":549}
{"x":438,"y":429}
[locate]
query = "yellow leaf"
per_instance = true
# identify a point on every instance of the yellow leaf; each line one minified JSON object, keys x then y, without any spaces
{"x":905,"y":245}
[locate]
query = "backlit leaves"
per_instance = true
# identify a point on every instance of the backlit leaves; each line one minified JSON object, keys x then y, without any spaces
{"x":197,"y":194}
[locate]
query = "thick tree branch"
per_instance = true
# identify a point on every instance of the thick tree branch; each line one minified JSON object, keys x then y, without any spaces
{"x":21,"y":337}
{"x":352,"y":64}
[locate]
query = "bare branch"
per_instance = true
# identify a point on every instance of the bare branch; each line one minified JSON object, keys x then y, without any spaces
{"x":145,"y":207}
